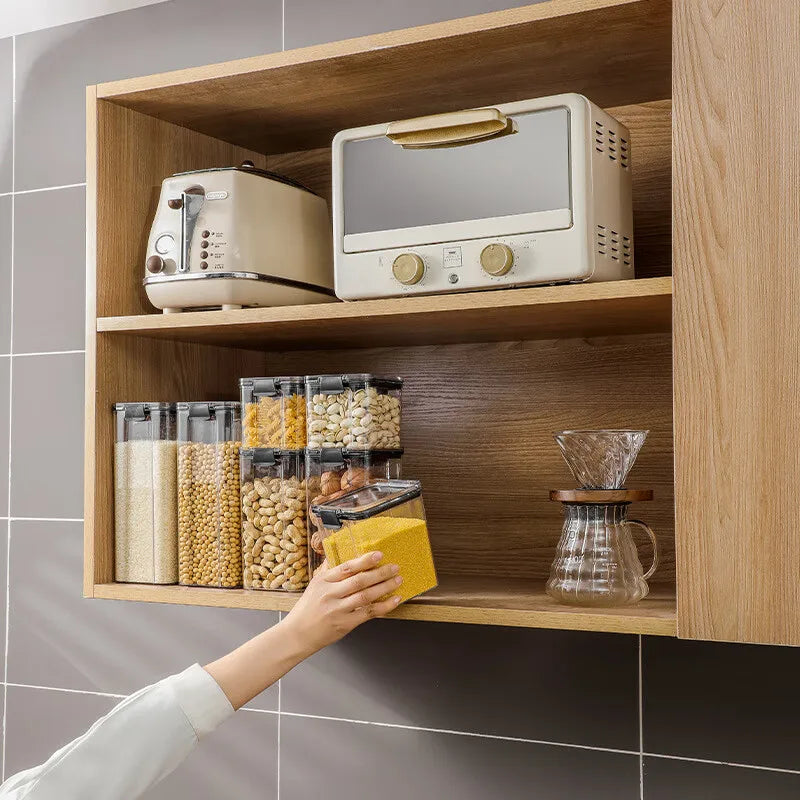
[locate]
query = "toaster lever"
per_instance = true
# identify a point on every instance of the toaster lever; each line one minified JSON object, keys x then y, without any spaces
{"x":193,"y":198}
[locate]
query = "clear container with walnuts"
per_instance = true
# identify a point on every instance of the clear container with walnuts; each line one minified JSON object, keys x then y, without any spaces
{"x":330,"y":473}
{"x":209,"y":508}
{"x":274,"y":412}
{"x":274,"y":523}
{"x":356,"y":411}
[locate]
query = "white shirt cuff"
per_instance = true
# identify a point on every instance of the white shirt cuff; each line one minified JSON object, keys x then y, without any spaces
{"x":205,"y":704}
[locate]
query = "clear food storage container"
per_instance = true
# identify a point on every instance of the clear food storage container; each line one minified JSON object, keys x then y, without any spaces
{"x":209,"y":515}
{"x":274,"y":412}
{"x":274,"y":526}
{"x":330,"y":473}
{"x":361,"y":412}
{"x":145,"y":493}
{"x":389,"y":517}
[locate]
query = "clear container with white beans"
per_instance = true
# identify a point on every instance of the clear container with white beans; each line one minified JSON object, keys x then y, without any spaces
{"x":274,"y":412}
{"x":209,"y":506}
{"x":145,"y":493}
{"x":274,"y":525}
{"x":332,"y":473}
{"x":356,"y":411}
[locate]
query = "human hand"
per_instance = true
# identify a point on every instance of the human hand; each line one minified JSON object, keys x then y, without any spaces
{"x":338,"y":599}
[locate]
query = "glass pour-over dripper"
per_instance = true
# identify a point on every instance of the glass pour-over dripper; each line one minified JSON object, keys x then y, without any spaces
{"x":600,"y":459}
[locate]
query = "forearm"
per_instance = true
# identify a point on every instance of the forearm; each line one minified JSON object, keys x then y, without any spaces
{"x":258,"y":663}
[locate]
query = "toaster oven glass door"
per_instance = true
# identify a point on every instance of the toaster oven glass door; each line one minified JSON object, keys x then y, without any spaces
{"x":520,"y":183}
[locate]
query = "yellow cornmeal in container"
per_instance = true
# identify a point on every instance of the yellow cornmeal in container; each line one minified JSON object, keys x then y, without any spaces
{"x":402,"y":541}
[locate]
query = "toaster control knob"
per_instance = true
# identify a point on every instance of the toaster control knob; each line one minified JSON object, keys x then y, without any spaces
{"x":154,"y":264}
{"x":497,"y":259}
{"x":408,"y":268}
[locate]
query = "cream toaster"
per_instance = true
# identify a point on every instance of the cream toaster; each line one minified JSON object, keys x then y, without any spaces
{"x":524,"y":193}
{"x":237,"y":236}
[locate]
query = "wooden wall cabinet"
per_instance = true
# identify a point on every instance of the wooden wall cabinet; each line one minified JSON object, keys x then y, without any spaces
{"x":491,"y":375}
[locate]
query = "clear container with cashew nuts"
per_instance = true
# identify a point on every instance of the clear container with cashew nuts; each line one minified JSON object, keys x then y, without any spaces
{"x":274,"y":412}
{"x":357,"y":411}
{"x":274,"y":525}
{"x":333,"y":472}
{"x":388,"y":517}
{"x":209,"y":506}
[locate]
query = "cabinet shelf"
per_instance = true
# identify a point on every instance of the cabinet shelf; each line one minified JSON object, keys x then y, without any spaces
{"x":463,"y":599}
{"x":546,"y":312}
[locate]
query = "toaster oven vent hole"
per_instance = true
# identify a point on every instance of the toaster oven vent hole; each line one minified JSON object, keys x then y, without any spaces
{"x":615,"y":147}
{"x":614,"y":245}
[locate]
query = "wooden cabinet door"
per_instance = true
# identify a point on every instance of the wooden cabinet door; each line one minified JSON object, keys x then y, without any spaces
{"x":736,"y":238}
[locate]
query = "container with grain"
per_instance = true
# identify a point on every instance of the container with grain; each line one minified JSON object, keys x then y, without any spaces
{"x":388,"y":517}
{"x":209,"y":508}
{"x":357,"y":411}
{"x":274,"y":412}
{"x":145,"y":494}
{"x":274,"y":523}
{"x":333,"y":472}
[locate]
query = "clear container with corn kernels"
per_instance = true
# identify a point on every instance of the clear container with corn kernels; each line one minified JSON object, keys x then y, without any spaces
{"x":356,"y":411}
{"x":274,"y":412}
{"x":387,"y":517}
{"x":333,"y":472}
{"x":209,"y":506}
{"x":274,"y":524}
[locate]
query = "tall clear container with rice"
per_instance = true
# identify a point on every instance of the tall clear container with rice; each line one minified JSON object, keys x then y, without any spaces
{"x":209,"y":507}
{"x":274,"y":412}
{"x":145,"y":493}
{"x":274,"y":525}
{"x":388,"y":517}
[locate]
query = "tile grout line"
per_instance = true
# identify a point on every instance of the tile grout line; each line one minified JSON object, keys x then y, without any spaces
{"x":44,"y":519}
{"x":724,"y":763}
{"x":278,"y":769}
{"x":641,"y":726}
{"x":41,"y":188}
{"x":89,"y":692}
{"x":47,"y":353}
{"x":10,"y":390}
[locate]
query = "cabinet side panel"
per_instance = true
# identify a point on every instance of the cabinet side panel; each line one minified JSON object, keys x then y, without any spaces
{"x":736,"y":168}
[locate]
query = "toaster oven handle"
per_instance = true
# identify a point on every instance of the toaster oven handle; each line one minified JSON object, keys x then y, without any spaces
{"x":193,"y":198}
{"x":450,"y":130}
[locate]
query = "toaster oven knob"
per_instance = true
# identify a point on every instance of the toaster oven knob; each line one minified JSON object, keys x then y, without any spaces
{"x":408,"y":268}
{"x":154,"y":264}
{"x":497,"y":259}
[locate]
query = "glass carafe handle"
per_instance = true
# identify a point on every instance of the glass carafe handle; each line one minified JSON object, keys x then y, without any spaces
{"x":649,"y":531}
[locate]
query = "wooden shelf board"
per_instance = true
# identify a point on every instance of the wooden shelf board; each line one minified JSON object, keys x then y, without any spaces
{"x":545,"y":312}
{"x":614,"y":51}
{"x":463,"y":599}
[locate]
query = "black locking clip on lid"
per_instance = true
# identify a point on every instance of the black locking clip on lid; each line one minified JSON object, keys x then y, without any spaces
{"x":268,"y":456}
{"x":366,"y":502}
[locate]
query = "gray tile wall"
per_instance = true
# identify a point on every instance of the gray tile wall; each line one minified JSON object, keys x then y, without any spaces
{"x":397,"y":710}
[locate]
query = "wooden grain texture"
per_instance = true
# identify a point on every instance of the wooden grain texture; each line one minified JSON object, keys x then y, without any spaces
{"x":737,"y":319}
{"x":614,"y":51}
{"x":545,"y":312}
{"x":650,"y":125}
{"x":133,"y":154}
{"x":457,"y":599}
{"x":477,"y":430}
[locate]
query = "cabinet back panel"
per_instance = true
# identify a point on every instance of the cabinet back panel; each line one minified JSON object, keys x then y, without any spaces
{"x":477,"y":431}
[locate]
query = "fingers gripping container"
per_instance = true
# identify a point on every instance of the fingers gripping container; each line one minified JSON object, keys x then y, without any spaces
{"x":332,"y":473}
{"x":274,"y":526}
{"x":274,"y":412}
{"x":388,"y":517}
{"x":145,"y":494}
{"x":209,"y":516}
{"x":360,"y":412}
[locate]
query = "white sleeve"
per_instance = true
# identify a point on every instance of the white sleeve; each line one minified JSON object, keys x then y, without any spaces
{"x":134,"y":746}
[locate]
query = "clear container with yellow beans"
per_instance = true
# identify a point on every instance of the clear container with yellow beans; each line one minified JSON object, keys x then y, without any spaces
{"x":274,"y":412}
{"x":388,"y":517}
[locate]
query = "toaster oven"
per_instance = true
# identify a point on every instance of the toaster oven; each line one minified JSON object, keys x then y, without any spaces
{"x":237,"y":236}
{"x":524,"y":193}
